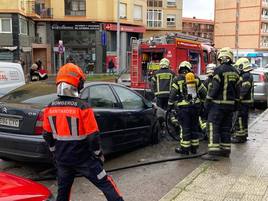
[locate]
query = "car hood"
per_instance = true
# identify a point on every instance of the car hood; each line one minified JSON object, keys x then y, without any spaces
{"x":13,"y":188}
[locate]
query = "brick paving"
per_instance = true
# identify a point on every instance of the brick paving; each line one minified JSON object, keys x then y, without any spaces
{"x":242,"y":177}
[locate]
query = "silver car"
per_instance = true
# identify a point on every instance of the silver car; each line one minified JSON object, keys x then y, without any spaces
{"x":260,"y":79}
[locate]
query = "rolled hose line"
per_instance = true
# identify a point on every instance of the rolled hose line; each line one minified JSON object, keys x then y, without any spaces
{"x":53,"y":177}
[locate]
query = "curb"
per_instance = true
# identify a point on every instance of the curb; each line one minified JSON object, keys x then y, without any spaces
{"x":180,"y":187}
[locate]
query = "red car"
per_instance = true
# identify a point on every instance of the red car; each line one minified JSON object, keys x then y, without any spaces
{"x":14,"y":188}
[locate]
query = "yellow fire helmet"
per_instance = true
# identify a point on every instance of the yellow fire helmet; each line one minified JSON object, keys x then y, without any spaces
{"x":243,"y":64}
{"x":190,"y":77}
{"x":164,"y":63}
{"x":226,"y":54}
{"x":185,"y":64}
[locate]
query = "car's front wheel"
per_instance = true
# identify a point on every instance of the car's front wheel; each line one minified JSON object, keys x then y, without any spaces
{"x":155,"y":133}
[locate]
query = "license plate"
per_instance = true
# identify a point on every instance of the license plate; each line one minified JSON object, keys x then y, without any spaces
{"x":9,"y":122}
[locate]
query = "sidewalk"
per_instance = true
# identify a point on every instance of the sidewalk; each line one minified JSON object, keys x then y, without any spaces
{"x":243,"y":177}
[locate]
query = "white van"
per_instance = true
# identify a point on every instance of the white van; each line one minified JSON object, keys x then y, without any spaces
{"x":11,"y":77}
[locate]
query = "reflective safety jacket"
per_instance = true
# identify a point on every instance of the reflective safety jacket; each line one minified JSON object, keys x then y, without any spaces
{"x":162,"y":80}
{"x":180,"y":95}
{"x":208,"y":82}
{"x":70,"y":130}
{"x":246,"y":88}
{"x":225,"y":85}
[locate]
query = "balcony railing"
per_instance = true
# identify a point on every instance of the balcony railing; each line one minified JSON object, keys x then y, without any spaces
{"x":264,"y":44}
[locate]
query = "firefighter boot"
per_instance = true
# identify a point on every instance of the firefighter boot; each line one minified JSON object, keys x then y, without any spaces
{"x":182,"y":151}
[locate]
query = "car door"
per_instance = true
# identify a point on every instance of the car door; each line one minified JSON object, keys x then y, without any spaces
{"x":108,"y":114}
{"x":137,"y":116}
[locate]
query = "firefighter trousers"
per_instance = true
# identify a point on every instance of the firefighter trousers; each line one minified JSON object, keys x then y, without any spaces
{"x":162,"y":102}
{"x":219,"y":125}
{"x":241,"y":131}
{"x":189,"y":120}
{"x":94,"y":172}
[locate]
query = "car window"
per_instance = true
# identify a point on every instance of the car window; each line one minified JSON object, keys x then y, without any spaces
{"x":129,"y":99}
{"x":35,"y":93}
{"x":256,"y":77}
{"x":101,"y":96}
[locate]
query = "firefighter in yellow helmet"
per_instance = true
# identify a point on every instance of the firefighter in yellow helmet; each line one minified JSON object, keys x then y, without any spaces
{"x":162,"y":80}
{"x":186,"y":94}
{"x":246,"y":100}
{"x":221,"y":103}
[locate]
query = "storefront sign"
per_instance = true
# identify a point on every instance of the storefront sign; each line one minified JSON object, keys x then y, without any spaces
{"x":136,"y":29}
{"x":75,"y":27}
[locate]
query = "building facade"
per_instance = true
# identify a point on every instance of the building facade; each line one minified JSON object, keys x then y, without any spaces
{"x":243,"y":26}
{"x":163,"y":16}
{"x":198,"y":27}
{"x":85,"y":29}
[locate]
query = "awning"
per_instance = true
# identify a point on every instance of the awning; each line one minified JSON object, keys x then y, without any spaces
{"x":11,"y":48}
{"x":255,"y":54}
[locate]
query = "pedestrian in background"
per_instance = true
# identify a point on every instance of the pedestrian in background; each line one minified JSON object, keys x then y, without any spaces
{"x":111,"y":67}
{"x":221,"y":103}
{"x":72,"y":134}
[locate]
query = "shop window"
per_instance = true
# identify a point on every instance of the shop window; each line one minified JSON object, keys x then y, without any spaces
{"x":154,"y":18}
{"x":171,"y":3}
{"x":23,"y":26}
{"x":137,"y":12}
{"x":123,"y":10}
{"x":75,"y":7}
{"x":5,"y":25}
{"x":171,"y":20}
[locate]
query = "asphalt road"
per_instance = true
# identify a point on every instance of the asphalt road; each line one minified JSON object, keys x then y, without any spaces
{"x":146,"y":183}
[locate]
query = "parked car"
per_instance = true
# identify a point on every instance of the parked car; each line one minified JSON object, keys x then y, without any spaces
{"x":260,"y":79}
{"x":125,"y":119}
{"x":15,"y":188}
{"x":11,"y":77}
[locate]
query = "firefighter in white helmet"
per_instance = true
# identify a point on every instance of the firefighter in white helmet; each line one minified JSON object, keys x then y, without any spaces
{"x":185,"y":96}
{"x":162,"y":80}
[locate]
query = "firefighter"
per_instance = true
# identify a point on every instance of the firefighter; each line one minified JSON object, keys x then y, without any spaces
{"x":162,"y":80}
{"x":185,"y":96}
{"x":207,"y":83}
{"x":72,"y":134}
{"x":220,"y":103}
{"x":246,"y":100}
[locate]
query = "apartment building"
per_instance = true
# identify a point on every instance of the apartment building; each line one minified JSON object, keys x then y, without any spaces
{"x":243,"y":26}
{"x":86,"y":29}
{"x":198,"y":27}
{"x":163,"y":16}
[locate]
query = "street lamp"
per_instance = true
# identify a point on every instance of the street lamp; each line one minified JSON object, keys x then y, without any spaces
{"x":118,"y":35}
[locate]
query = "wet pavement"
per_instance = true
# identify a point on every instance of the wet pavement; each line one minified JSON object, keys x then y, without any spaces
{"x":145,"y":183}
{"x":242,"y":177}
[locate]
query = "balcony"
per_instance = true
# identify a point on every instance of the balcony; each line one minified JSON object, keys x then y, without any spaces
{"x":43,"y":12}
{"x":264,"y":44}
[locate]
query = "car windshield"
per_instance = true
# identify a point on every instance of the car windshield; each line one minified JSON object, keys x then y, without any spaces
{"x":34,"y":93}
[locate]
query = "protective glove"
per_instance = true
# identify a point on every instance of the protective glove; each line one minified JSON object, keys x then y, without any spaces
{"x":98,"y":154}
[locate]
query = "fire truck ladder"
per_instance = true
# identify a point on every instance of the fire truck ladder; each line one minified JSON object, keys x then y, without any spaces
{"x":134,"y":61}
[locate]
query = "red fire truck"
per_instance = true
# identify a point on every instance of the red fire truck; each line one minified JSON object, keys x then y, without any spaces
{"x":146,"y":56}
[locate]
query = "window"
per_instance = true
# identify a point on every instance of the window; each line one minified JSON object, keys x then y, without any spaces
{"x":154,"y":18}
{"x":129,"y":99}
{"x":5,"y":25}
{"x":137,"y":12}
{"x":23,"y":26}
{"x":101,"y":96}
{"x":155,"y":3}
{"x":123,"y":10}
{"x":171,"y":2}
{"x":75,"y":7}
{"x":171,"y":20}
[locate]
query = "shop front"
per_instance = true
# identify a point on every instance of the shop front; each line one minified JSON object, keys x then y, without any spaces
{"x":81,"y":41}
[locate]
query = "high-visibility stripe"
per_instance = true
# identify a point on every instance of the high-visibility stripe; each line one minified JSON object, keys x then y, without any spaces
{"x":195,"y":142}
{"x":175,"y":86}
{"x":225,"y":86}
{"x":109,"y":178}
{"x":70,"y":138}
{"x":247,"y":101}
{"x":217,"y":77}
{"x":247,"y":83}
{"x":161,"y":92}
{"x":74,"y":127}
{"x":213,"y":149}
{"x":51,"y":122}
{"x":224,"y":102}
{"x":101,"y":175}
